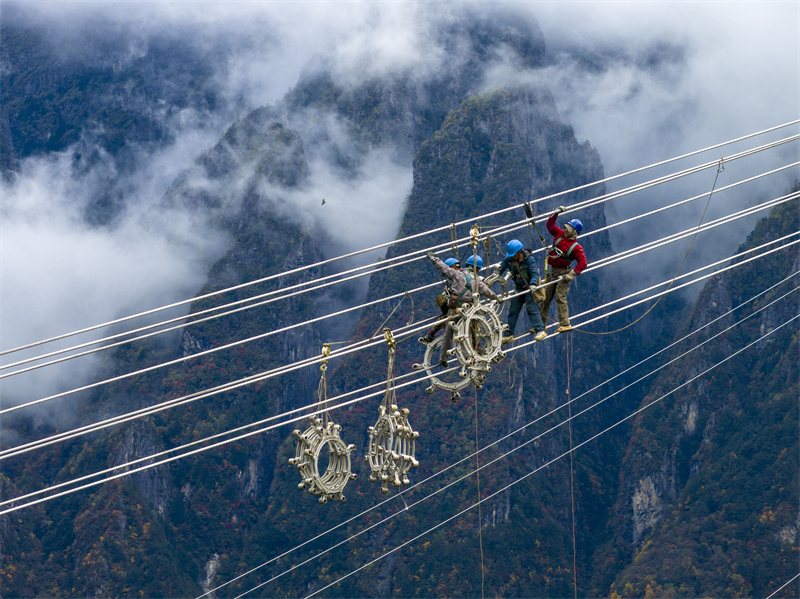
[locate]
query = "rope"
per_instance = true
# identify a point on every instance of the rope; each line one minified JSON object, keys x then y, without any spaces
{"x":720,"y":169}
{"x":478,"y":475}
{"x":17,"y":450}
{"x":547,"y":464}
{"x":348,"y":521}
{"x":389,"y":398}
{"x":436,"y":230}
{"x":322,"y":389}
{"x":380,"y":328}
{"x":571,"y":475}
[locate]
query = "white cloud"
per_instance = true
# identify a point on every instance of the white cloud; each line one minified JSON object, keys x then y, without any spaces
{"x":641,"y":81}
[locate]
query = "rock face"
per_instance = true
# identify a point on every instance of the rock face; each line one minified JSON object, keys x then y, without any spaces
{"x":177,"y":530}
{"x":137,"y":442}
{"x":689,"y":453}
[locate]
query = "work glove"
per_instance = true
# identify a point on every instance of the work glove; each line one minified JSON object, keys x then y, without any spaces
{"x":569,"y":276}
{"x":497,"y":270}
{"x":561,"y":209}
{"x":430,"y":256}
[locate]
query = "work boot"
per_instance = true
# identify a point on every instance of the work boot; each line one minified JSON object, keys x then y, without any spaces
{"x":507,"y":339}
{"x":426,"y":339}
{"x":564,"y":328}
{"x":540,"y":335}
{"x":443,"y":363}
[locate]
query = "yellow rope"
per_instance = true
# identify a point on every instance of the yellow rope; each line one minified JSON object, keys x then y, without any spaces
{"x":389,"y":396}
{"x":478,"y":472}
{"x":322,"y":389}
{"x":380,"y":328}
{"x":720,"y":169}
{"x":571,"y":476}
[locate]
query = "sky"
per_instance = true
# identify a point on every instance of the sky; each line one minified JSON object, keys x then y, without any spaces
{"x":641,"y":81}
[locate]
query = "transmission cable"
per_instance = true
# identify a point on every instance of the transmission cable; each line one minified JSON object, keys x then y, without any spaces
{"x":545,"y":465}
{"x":507,"y":436}
{"x":620,"y":256}
{"x":429,"y":232}
{"x":12,"y":452}
{"x":775,"y":592}
{"x":182,"y":319}
{"x":193,"y":452}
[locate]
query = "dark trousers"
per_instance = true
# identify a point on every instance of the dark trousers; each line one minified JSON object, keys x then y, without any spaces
{"x":515,"y":308}
{"x":441,"y":323}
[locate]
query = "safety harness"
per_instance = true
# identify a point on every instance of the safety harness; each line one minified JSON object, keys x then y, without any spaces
{"x":458,"y":301}
{"x":558,"y":253}
{"x":518,"y":266}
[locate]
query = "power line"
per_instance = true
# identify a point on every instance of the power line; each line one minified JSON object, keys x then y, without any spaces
{"x":545,"y":465}
{"x":18,"y":450}
{"x":795,"y":577}
{"x":469,"y":457}
{"x":439,"y":229}
{"x":215,"y":445}
{"x":12,"y":452}
{"x":282,"y":293}
{"x":603,"y":262}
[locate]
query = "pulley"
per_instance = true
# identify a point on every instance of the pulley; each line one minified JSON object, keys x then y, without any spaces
{"x":478,"y":338}
{"x":477,"y":343}
{"x":322,"y":433}
{"x":392,"y":441}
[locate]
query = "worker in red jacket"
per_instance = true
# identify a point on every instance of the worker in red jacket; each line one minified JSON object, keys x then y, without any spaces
{"x":557,"y":266}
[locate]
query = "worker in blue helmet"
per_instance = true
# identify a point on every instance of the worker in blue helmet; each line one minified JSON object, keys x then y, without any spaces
{"x":463,"y":284}
{"x":442,"y":300}
{"x":525,"y":273}
{"x":562,"y":253}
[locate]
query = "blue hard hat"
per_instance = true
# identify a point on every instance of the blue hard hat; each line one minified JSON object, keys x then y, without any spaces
{"x":451,"y":261}
{"x":513,"y":247}
{"x":471,"y":261}
{"x":576,"y":224}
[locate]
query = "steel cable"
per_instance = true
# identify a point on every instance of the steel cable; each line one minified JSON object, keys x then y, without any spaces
{"x":439,"y":229}
{"x":193,"y":452}
{"x":547,"y":464}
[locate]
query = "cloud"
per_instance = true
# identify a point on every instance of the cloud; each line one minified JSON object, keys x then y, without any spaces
{"x":641,"y":81}
{"x":644,"y":82}
{"x":60,"y":273}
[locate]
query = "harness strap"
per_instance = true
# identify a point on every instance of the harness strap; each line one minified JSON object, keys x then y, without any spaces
{"x":467,"y":286}
{"x":558,"y":253}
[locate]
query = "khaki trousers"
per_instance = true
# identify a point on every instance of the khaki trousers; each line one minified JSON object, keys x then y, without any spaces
{"x":559,"y":290}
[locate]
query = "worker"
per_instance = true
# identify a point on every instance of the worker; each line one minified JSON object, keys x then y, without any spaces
{"x":561,"y":254}
{"x":442,"y":301}
{"x":524,"y":271}
{"x":475,"y":264}
{"x":462,"y":285}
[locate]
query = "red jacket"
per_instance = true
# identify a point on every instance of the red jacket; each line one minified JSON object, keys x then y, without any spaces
{"x":563,"y":245}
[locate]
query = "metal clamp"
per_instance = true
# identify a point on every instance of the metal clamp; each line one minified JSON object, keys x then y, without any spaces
{"x":326,"y":353}
{"x":477,"y":343}
{"x":478,"y":338}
